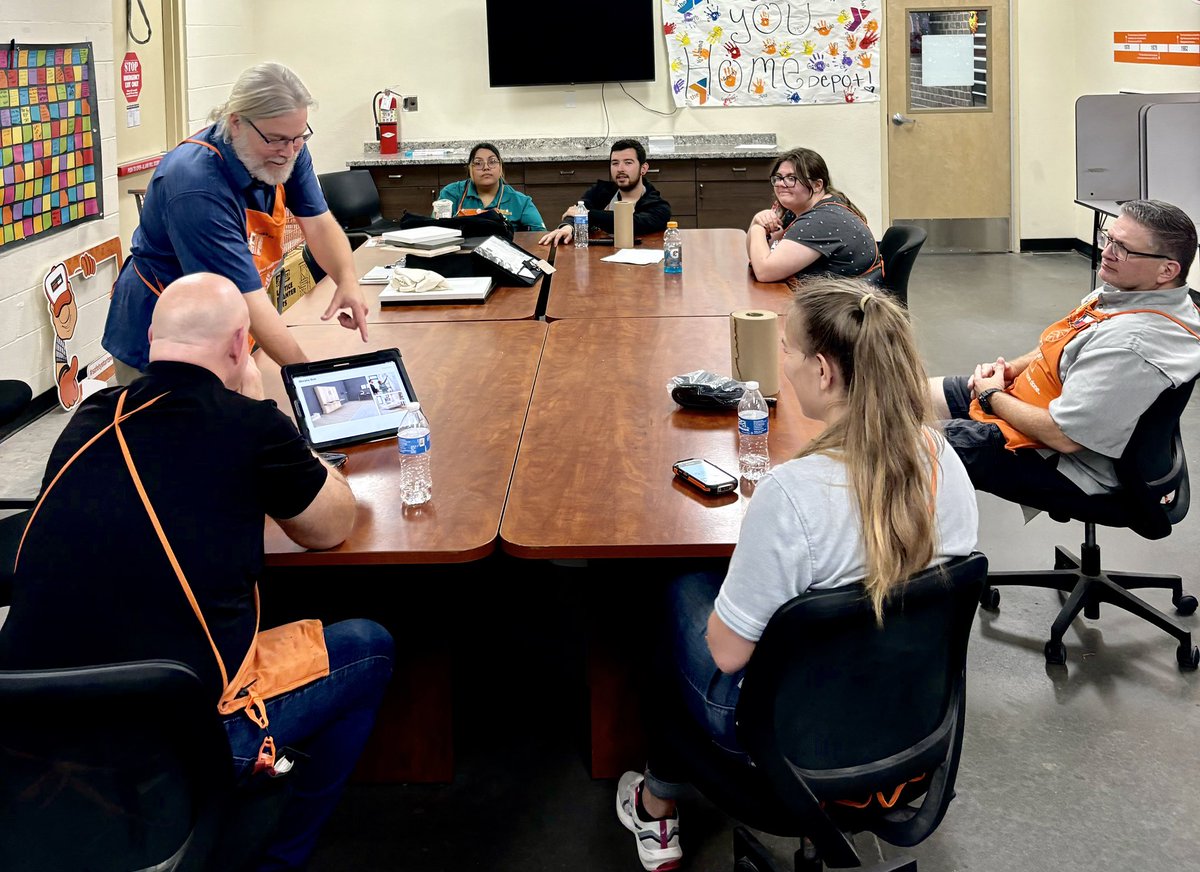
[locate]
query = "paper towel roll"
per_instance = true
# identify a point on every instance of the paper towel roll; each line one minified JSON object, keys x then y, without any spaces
{"x":754,"y":348}
{"x":623,"y":224}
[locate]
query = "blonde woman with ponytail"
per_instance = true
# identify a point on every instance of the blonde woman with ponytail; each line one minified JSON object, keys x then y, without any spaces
{"x":877,"y":497}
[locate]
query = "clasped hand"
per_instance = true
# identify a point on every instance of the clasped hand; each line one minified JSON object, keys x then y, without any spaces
{"x":991,"y":375}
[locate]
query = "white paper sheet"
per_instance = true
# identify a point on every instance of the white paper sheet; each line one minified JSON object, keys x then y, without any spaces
{"x":639,"y":256}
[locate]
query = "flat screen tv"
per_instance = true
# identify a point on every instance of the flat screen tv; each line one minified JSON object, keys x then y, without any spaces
{"x":570,"y":43}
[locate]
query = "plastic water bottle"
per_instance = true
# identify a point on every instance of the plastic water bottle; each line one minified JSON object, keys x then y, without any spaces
{"x":581,"y":225}
{"x":753,"y":424}
{"x":416,"y":481}
{"x":672,"y":249}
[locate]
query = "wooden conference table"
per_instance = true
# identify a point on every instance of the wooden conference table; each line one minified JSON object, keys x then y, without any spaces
{"x":505,"y":303}
{"x":593,"y":479}
{"x":456,"y":370}
{"x":716,"y":280}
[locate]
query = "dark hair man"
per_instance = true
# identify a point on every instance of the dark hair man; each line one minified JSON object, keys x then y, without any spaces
{"x":627,"y":168}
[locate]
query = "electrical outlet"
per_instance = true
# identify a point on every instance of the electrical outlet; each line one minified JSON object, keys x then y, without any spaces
{"x":569,"y":100}
{"x":409,"y":104}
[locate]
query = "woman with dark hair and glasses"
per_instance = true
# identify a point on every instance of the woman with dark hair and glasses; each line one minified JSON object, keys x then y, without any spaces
{"x":485,"y":189}
{"x":812,"y":228}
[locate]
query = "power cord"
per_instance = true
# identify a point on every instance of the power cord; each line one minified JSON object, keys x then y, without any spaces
{"x":656,"y":111}
{"x":603,"y":139}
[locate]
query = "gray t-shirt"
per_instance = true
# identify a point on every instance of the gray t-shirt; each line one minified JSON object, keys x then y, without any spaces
{"x":802,"y":530}
{"x":846,"y":245}
{"x":1114,"y":371}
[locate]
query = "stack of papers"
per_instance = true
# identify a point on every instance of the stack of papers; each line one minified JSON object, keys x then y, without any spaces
{"x":424,"y":237}
{"x":468,"y":289}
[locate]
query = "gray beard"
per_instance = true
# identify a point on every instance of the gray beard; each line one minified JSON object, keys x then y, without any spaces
{"x":260,"y":169}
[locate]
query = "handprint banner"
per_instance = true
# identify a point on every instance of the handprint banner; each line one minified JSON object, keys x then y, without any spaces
{"x":738,"y":53}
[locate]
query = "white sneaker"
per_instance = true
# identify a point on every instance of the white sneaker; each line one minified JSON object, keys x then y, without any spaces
{"x":657,"y":841}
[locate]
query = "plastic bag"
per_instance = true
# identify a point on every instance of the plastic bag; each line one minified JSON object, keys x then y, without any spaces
{"x":706,"y":390}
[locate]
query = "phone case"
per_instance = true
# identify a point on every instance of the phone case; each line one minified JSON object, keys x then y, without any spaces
{"x":703,"y":487}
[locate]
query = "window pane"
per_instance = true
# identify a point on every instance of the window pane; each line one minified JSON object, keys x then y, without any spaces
{"x":948,"y":59}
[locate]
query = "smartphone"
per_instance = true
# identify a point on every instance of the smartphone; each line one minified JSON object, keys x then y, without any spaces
{"x":336,"y":459}
{"x":704,"y":476}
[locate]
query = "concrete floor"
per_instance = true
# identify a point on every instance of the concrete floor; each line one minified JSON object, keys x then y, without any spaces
{"x":1088,"y":767}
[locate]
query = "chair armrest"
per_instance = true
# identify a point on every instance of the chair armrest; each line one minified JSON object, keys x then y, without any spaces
{"x":17,"y":503}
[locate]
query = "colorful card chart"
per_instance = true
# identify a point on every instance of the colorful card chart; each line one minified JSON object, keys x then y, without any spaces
{"x":49,"y":140}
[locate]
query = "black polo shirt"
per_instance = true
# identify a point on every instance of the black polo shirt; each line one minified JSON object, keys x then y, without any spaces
{"x":93,"y":584}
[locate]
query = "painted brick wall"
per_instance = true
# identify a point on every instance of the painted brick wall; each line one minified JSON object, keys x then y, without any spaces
{"x":220,"y":44}
{"x":26,"y":338}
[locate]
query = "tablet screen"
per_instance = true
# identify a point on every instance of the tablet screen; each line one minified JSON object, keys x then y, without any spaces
{"x":344,"y":403}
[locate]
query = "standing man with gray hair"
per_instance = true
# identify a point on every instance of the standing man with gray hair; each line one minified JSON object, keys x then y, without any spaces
{"x":216,"y":204}
{"x":1052,"y":423}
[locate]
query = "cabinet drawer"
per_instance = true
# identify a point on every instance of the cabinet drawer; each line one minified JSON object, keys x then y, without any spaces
{"x":681,"y":196}
{"x":405,"y":176}
{"x":393,"y":202}
{"x":514,"y":174}
{"x":756,"y":169}
{"x":580,"y":173}
{"x":730,"y":204}
{"x":670,"y":171}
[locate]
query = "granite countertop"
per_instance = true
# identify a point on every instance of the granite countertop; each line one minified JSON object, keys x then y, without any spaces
{"x":547,"y":149}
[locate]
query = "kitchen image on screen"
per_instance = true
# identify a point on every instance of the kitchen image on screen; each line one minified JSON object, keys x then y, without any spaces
{"x":337,"y":402}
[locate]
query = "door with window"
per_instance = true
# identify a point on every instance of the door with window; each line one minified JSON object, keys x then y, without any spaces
{"x":949,"y":157}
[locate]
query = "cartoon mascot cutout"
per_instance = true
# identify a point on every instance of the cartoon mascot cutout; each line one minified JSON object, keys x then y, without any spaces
{"x":62,"y":301}
{"x":64,"y":315}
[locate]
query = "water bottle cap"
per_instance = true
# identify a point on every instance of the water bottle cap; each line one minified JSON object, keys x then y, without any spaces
{"x":672,"y":224}
{"x":413,"y":407}
{"x":751,"y":385}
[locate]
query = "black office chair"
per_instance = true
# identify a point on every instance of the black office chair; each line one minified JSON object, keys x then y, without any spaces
{"x":15,"y":398}
{"x":835,"y":709}
{"x":354,"y":201}
{"x":899,"y":248}
{"x":104,"y":768}
{"x":1154,"y":496}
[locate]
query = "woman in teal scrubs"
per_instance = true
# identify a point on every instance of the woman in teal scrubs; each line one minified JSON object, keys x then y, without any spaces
{"x":486,"y":189}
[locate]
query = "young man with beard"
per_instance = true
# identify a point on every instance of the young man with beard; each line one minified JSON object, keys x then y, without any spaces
{"x":627,"y":168}
{"x":217,"y":204}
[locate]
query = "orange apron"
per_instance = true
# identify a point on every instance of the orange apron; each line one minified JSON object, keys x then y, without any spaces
{"x":461,"y":212}
{"x":264,"y":234}
{"x":277,"y":661}
{"x":1039,"y":384}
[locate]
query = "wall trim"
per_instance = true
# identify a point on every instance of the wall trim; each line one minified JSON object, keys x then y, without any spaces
{"x":1057,"y":243}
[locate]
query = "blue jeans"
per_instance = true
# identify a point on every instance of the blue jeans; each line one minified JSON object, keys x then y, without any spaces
{"x":708,"y":694}
{"x":329,"y":720}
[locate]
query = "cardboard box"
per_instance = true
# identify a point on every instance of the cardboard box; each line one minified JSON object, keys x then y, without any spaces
{"x":292,"y":280}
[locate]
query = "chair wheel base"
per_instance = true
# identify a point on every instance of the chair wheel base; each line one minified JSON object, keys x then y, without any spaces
{"x":1186,"y":605}
{"x":1056,"y":652}
{"x":990,"y":599}
{"x":1188,"y":657}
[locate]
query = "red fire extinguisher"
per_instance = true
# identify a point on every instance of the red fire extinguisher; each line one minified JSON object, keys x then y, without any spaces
{"x":386,"y":128}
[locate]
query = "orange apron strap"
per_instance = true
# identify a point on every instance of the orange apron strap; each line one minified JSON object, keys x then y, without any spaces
{"x":207,"y":145}
{"x":157,"y":291}
{"x":72,"y":459}
{"x":162,"y":537}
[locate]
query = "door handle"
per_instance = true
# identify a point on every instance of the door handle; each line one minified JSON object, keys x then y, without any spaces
{"x":566,"y":172}
{"x":900,"y":120}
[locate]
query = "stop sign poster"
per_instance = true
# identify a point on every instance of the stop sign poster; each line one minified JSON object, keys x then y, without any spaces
{"x":131,"y":77}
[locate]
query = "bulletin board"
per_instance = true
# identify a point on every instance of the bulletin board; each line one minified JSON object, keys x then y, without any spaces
{"x":49,"y":140}
{"x":751,"y":53}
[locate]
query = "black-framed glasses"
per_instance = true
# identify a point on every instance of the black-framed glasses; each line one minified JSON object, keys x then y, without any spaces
{"x":489,"y":164}
{"x":1120,"y":252}
{"x":787,"y":181}
{"x":282,"y":141}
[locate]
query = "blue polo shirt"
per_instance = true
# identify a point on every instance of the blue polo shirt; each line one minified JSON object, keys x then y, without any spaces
{"x":194,"y":220}
{"x":517,"y":207}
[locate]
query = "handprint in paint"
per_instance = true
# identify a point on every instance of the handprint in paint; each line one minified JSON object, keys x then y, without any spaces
{"x":868,"y":40}
{"x":847,"y":60}
{"x":700,"y":54}
{"x":851,"y":42}
{"x":678,"y":85}
{"x":769,"y":47}
{"x":794,"y":97}
{"x":849,"y":96}
{"x":809,"y":47}
{"x":817,"y":63}
{"x":824,"y":27}
{"x":865,"y":60}
{"x":734,"y":51}
{"x":834,"y":50}
{"x":759,"y":86}
{"x":785,"y":50}
{"x":714,"y":35}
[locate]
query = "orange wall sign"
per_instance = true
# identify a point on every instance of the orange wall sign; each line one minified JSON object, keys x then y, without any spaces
{"x":1177,"y":48}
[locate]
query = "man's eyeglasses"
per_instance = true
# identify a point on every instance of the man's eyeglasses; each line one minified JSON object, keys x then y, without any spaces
{"x":785,"y":181}
{"x":283,"y":141}
{"x":1120,"y":252}
{"x":489,"y":164}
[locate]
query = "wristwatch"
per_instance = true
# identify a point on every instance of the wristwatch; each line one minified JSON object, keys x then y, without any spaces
{"x":985,"y":399}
